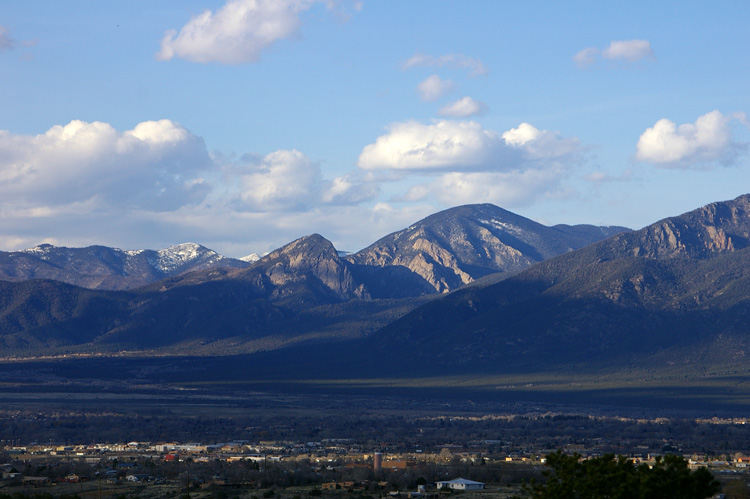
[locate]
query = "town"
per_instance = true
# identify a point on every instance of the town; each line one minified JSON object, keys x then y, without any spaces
{"x":492,"y":456}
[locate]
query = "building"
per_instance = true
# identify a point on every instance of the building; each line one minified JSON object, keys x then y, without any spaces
{"x":460,"y":484}
{"x":397,"y":465}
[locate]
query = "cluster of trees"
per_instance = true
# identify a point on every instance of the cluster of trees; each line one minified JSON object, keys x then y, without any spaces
{"x":610,"y":477}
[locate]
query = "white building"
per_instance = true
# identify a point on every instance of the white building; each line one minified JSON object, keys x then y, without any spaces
{"x":460,"y":484}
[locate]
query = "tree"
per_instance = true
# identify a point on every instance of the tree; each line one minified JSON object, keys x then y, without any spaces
{"x":610,"y":477}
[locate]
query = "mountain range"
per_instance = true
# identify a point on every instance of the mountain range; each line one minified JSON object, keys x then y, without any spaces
{"x":100,"y":267}
{"x":472,"y":291}
{"x":302,"y":290}
{"x":675,"y":293}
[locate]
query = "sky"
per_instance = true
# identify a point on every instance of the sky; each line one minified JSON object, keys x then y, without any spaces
{"x":245,"y":124}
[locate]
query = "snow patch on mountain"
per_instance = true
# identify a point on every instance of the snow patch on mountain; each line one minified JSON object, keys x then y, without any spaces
{"x":513,"y":229}
{"x":251,"y":258}
{"x":165,"y":260}
{"x":41,"y":251}
{"x":169,"y":259}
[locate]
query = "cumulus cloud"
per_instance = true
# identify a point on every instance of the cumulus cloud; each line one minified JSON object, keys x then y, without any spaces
{"x":6,"y":42}
{"x":460,"y":162}
{"x":287,"y":180}
{"x":157,"y":165}
{"x":345,"y":190}
{"x":475,"y":67}
{"x":541,"y":144}
{"x":463,"y":108}
{"x":708,"y":139}
{"x":284,"y":180}
{"x":512,"y":188}
{"x":440,"y":145}
{"x":628,"y":50}
{"x":622,"y":50}
{"x":463,"y":146}
{"x":433,"y":87}
{"x":236,"y":33}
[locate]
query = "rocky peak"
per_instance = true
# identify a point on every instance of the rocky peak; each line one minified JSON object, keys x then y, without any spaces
{"x":170,"y":259}
{"x":311,"y":255}
{"x":457,"y":246}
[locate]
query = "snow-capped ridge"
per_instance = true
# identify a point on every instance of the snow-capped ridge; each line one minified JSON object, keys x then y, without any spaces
{"x":251,"y":258}
{"x":169,"y":259}
{"x":41,"y":249}
{"x":103,"y":267}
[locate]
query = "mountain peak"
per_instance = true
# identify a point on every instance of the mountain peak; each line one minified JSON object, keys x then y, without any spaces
{"x":170,"y":259}
{"x":313,"y":245}
{"x":39,"y":249}
{"x":456,"y":246}
{"x":251,"y":258}
{"x":311,"y":255}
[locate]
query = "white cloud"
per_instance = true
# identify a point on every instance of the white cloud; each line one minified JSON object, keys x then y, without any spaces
{"x":417,"y":192}
{"x":622,"y":50}
{"x":6,"y":42}
{"x":514,"y":188}
{"x":586,"y":57}
{"x":287,"y":180}
{"x":237,"y":33}
{"x":433,"y":87}
{"x":345,"y":190}
{"x":464,"y":146}
{"x":155,"y":185}
{"x":708,"y":139}
{"x":541,"y":144}
{"x":628,"y":50}
{"x":157,"y":166}
{"x":440,"y":145}
{"x":475,"y":67}
{"x":460,"y":162}
{"x":463,"y":108}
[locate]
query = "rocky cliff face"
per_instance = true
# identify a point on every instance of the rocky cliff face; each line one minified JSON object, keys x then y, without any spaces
{"x":714,"y":229}
{"x":309,"y":257}
{"x":457,"y":246}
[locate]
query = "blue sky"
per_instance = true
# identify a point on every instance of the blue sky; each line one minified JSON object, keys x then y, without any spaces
{"x":244,"y":124}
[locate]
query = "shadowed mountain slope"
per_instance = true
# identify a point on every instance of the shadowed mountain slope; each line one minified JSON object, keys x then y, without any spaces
{"x":304,"y":291}
{"x":299,"y":292}
{"x":676,"y":292}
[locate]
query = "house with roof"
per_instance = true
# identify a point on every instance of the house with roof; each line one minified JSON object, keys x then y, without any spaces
{"x":460,"y":484}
